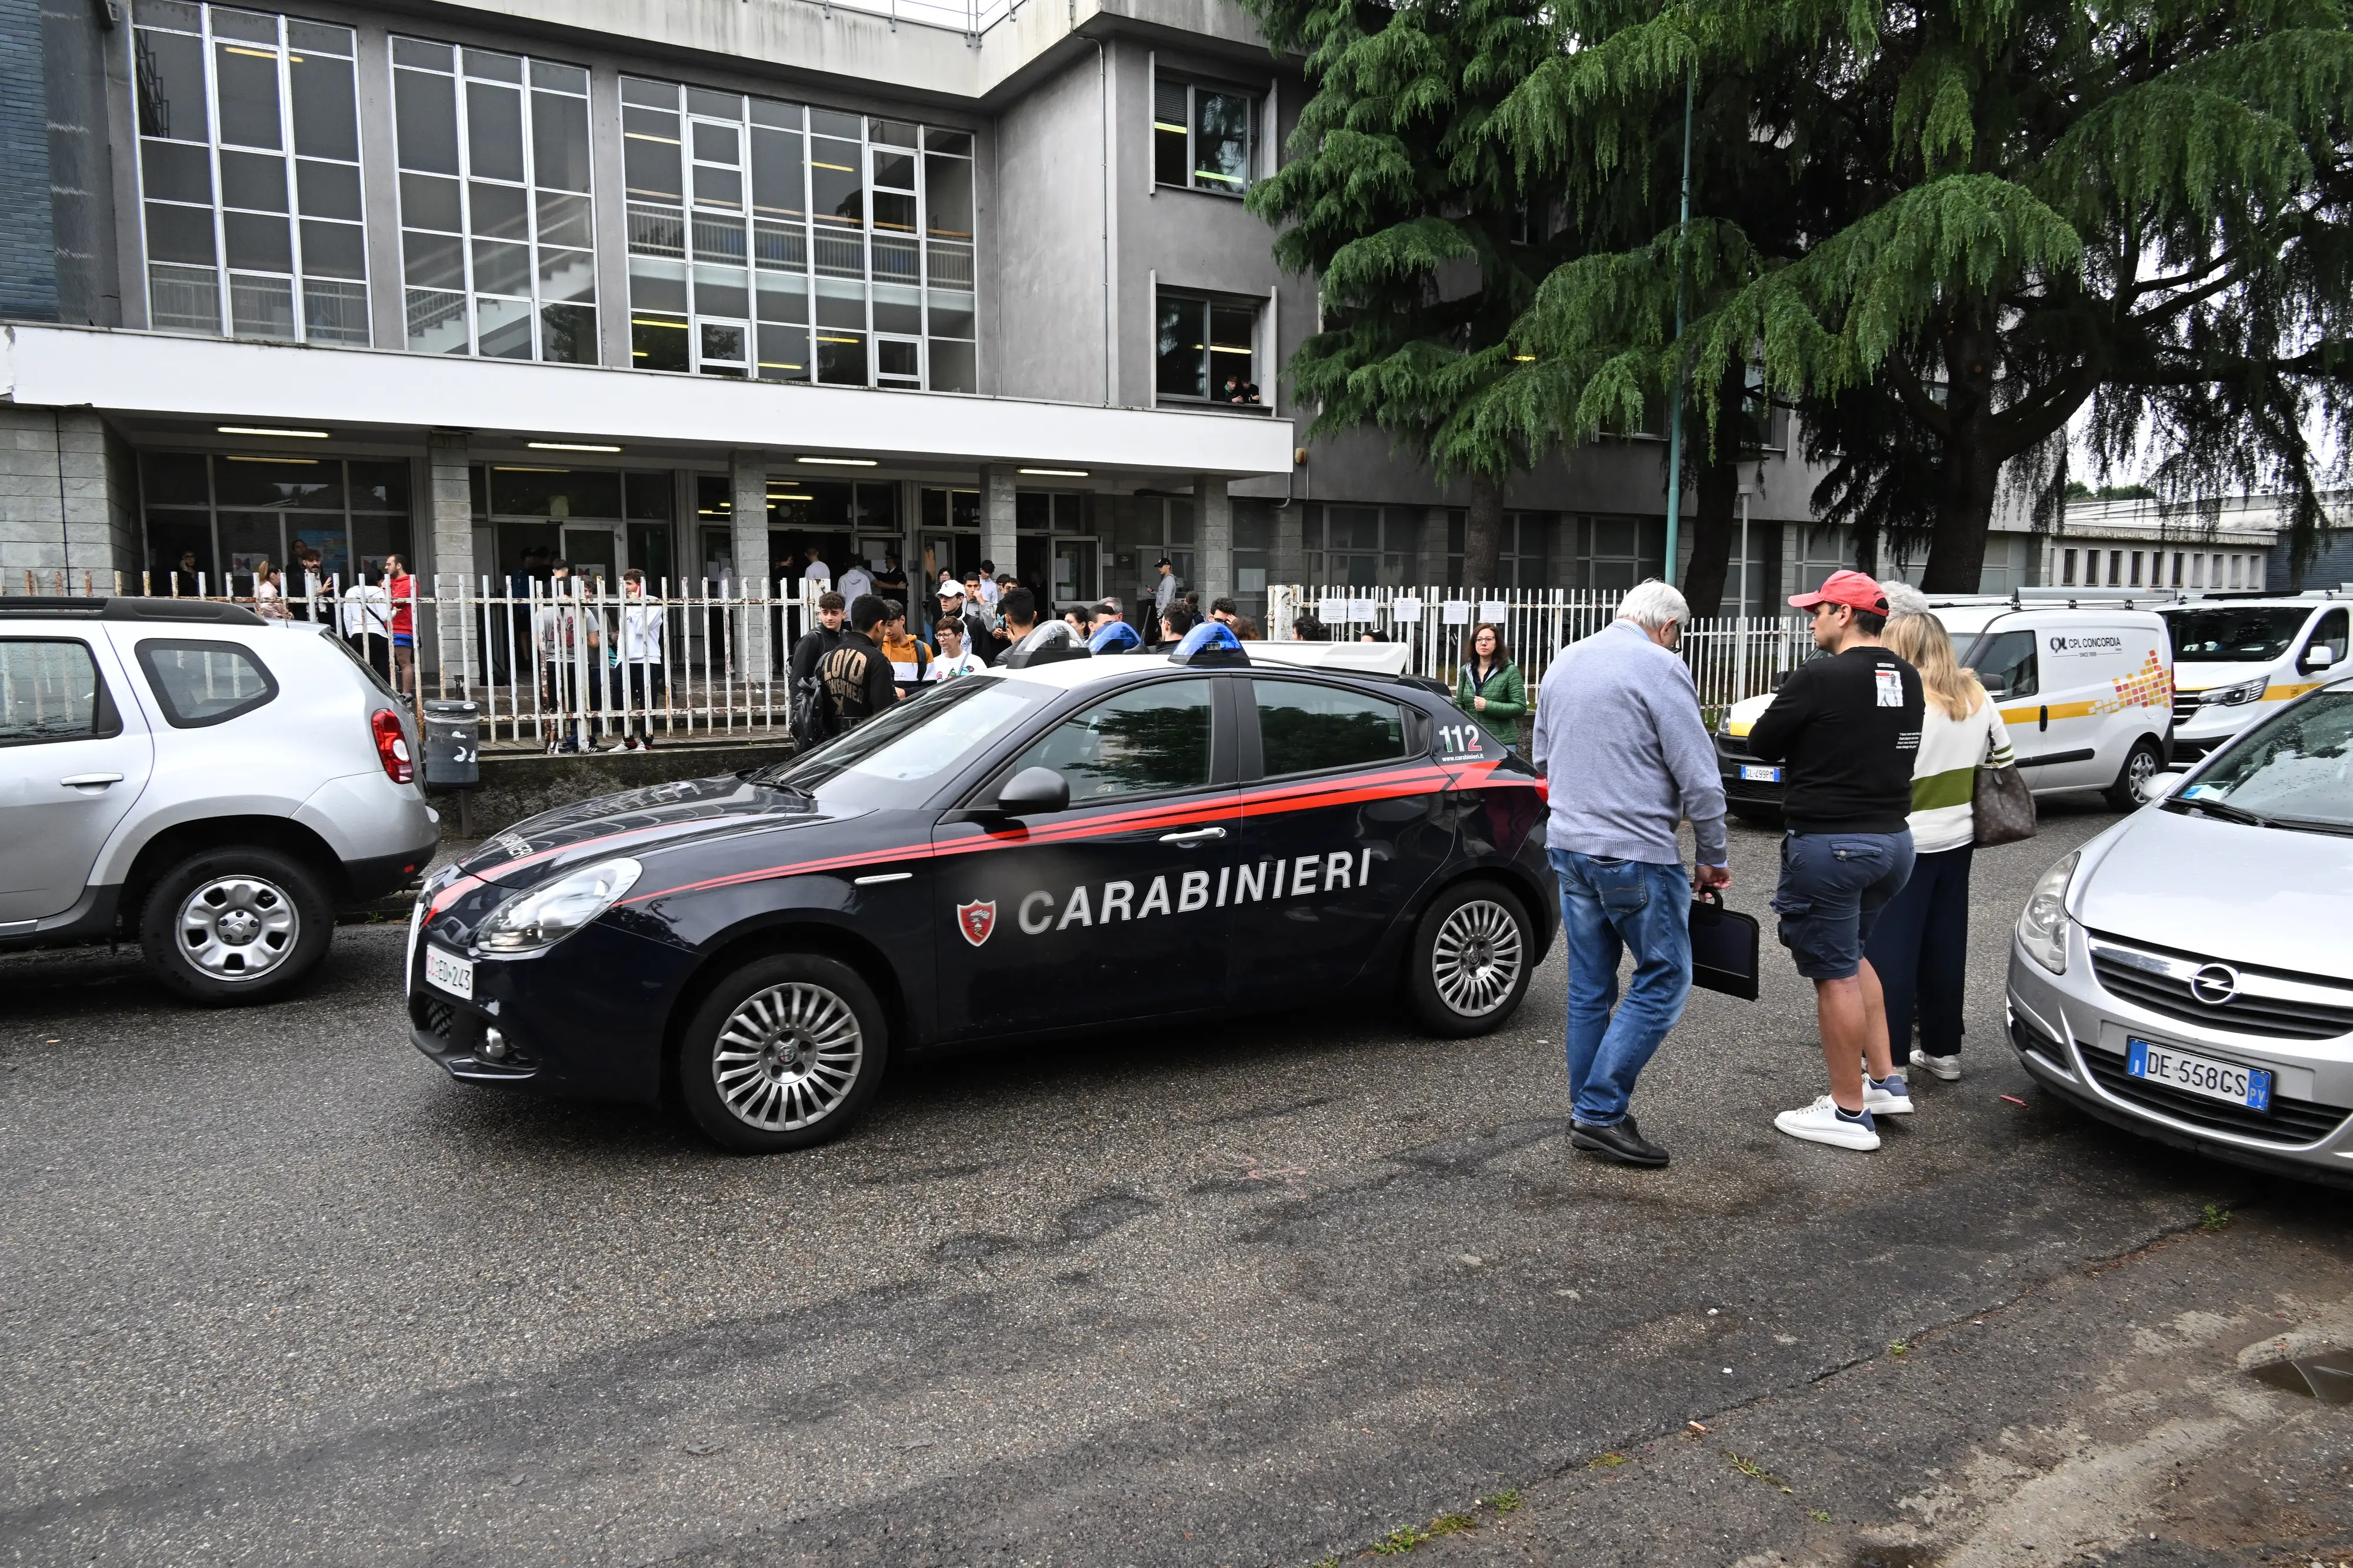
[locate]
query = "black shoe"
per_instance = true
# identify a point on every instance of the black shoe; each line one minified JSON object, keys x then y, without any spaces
{"x":1622,"y":1142}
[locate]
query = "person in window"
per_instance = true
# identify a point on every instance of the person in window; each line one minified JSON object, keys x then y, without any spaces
{"x":644,"y":679}
{"x":910,"y":659}
{"x":401,"y":589}
{"x":1490,"y":687}
{"x":858,"y":680}
{"x":1920,"y":947}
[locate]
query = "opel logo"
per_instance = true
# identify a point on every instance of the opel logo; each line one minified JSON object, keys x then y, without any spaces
{"x":2214,"y":985}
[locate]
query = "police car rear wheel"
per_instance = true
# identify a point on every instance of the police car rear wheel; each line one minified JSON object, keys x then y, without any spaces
{"x":1472,"y":958}
{"x":785,"y":1053}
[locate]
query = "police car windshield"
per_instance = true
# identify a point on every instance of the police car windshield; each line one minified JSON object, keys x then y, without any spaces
{"x":2252,"y":633}
{"x":2295,"y":771}
{"x":901,"y":757}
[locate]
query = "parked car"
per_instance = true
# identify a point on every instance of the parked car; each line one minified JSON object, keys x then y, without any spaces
{"x":2187,"y":975}
{"x":212,"y":785}
{"x":1091,"y":846}
{"x":2086,"y":692}
{"x":2239,"y":658}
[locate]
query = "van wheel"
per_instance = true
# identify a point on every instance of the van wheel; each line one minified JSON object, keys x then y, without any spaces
{"x":235,"y":925}
{"x":1471,"y":956}
{"x":2141,"y":765}
{"x":783,"y":1054}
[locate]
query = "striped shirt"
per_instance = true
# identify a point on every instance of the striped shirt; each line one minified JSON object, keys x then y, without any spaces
{"x":1944,"y":775}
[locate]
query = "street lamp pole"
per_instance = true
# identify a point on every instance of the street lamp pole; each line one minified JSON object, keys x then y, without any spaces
{"x":1675,"y":411}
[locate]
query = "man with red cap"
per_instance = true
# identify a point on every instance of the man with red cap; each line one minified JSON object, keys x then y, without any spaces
{"x":1847,"y":729}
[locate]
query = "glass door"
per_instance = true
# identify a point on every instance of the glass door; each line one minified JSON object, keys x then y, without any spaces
{"x":594,"y":550}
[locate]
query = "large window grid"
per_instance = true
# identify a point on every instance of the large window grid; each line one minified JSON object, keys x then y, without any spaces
{"x":1202,"y":136}
{"x":787,"y":243}
{"x":249,"y":175}
{"x":498,"y":233}
{"x":1362,"y":546}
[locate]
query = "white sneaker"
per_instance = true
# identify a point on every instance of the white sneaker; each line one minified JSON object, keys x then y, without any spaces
{"x":1823,"y":1122}
{"x":1890,"y":1096}
{"x":1946,"y":1069}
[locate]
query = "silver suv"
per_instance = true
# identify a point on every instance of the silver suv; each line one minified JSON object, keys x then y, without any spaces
{"x":211,"y":782}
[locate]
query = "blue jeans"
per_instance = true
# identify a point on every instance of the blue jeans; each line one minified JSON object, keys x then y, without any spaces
{"x":1606,"y":907}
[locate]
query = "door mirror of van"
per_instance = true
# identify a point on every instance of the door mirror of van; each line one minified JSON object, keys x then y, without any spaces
{"x":2158,"y":785}
{"x":2319,"y":657}
{"x":1034,"y":792}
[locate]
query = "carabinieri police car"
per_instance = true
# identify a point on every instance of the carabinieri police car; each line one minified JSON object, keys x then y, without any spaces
{"x":1011,"y":855}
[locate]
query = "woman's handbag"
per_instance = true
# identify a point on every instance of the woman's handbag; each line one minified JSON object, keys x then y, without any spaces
{"x":2001,"y":811}
{"x":1724,"y":947}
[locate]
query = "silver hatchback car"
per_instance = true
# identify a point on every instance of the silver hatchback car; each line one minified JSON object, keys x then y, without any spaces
{"x":210,"y":784}
{"x":2189,"y":973}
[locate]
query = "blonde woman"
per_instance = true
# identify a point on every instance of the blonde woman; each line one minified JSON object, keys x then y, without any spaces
{"x":1920,"y":947}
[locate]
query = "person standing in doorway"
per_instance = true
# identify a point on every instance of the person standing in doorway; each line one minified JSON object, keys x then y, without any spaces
{"x":1490,"y":687}
{"x":1626,"y":757}
{"x":989,"y":591}
{"x":815,"y":570}
{"x":1847,"y":729}
{"x":856,"y":580}
{"x":1919,"y":950}
{"x":1164,"y":588}
{"x":555,"y":633}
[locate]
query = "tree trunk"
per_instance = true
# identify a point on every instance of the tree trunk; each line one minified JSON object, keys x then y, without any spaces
{"x":1482,"y":535}
{"x":1717,"y":517}
{"x":1972,"y":463}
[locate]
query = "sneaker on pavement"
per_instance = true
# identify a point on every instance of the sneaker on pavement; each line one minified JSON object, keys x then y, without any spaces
{"x":1886,"y":1096}
{"x":1946,"y":1069}
{"x":1824,"y":1123}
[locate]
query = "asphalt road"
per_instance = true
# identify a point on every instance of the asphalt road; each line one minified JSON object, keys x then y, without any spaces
{"x":276,"y":1293}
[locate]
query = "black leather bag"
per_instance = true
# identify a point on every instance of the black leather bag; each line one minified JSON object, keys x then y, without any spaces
{"x":1724,"y":947}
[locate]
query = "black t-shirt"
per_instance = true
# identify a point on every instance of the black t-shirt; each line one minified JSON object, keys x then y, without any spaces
{"x":858,"y":679}
{"x":1847,"y":727}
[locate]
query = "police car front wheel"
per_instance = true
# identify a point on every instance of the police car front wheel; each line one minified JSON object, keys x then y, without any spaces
{"x":783,"y":1054}
{"x":1473,"y":954}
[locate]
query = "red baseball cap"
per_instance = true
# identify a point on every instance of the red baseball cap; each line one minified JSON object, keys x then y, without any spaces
{"x":1852,"y":589}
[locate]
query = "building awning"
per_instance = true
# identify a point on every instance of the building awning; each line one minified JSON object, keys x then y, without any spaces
{"x":151,"y":373}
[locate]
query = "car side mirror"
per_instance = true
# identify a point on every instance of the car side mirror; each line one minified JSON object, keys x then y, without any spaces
{"x":2158,"y":786}
{"x":1034,"y":792}
{"x":2320,"y":657}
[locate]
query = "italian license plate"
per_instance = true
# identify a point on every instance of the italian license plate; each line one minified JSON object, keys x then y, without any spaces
{"x":1756,"y":772}
{"x":449,"y":971}
{"x":2249,"y":1086}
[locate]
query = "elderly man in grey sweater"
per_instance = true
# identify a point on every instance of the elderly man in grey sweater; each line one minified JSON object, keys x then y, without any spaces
{"x":1626,"y":757}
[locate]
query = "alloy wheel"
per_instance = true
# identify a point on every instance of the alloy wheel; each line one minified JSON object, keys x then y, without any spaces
{"x":1475,"y":962}
{"x":787,"y":1055}
{"x":239,"y":928}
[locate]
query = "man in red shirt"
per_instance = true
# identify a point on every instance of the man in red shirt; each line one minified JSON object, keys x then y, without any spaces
{"x":402,"y":588}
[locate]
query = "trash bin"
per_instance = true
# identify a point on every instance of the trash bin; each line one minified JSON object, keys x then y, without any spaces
{"x":452,"y":748}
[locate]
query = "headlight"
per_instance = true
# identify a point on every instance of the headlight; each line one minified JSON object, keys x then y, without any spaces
{"x":2232,"y":696}
{"x":2042,"y":924}
{"x":544,"y":916}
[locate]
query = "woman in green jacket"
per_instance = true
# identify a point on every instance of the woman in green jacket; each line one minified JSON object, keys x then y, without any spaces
{"x":1490,"y":688}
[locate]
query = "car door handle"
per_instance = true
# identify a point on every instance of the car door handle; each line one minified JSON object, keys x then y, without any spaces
{"x":90,"y":781}
{"x":1197,"y":836}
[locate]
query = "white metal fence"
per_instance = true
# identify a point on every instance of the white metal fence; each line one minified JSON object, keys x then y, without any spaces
{"x":572,"y":665}
{"x":1730,"y":656}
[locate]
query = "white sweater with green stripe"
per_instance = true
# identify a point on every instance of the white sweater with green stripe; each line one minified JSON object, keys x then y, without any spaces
{"x":1944,"y":777}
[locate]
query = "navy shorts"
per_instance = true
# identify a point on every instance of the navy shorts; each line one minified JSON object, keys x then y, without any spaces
{"x":1833,"y":886}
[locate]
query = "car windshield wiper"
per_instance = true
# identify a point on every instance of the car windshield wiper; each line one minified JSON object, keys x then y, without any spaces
{"x":2311,"y":825}
{"x":2226,"y":811}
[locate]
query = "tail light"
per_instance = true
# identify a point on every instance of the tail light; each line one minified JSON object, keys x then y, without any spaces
{"x":392,"y":746}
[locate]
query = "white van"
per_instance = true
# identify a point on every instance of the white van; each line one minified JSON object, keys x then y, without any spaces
{"x":2086,"y":691}
{"x":2237,"y":657}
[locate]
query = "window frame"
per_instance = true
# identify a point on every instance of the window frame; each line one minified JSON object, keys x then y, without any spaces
{"x":1088,"y":701}
{"x":1193,"y":87}
{"x":148,"y":647}
{"x":1412,"y":737}
{"x":297,"y":279}
{"x":468,"y":235}
{"x":1211,"y":302}
{"x":105,"y":714}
